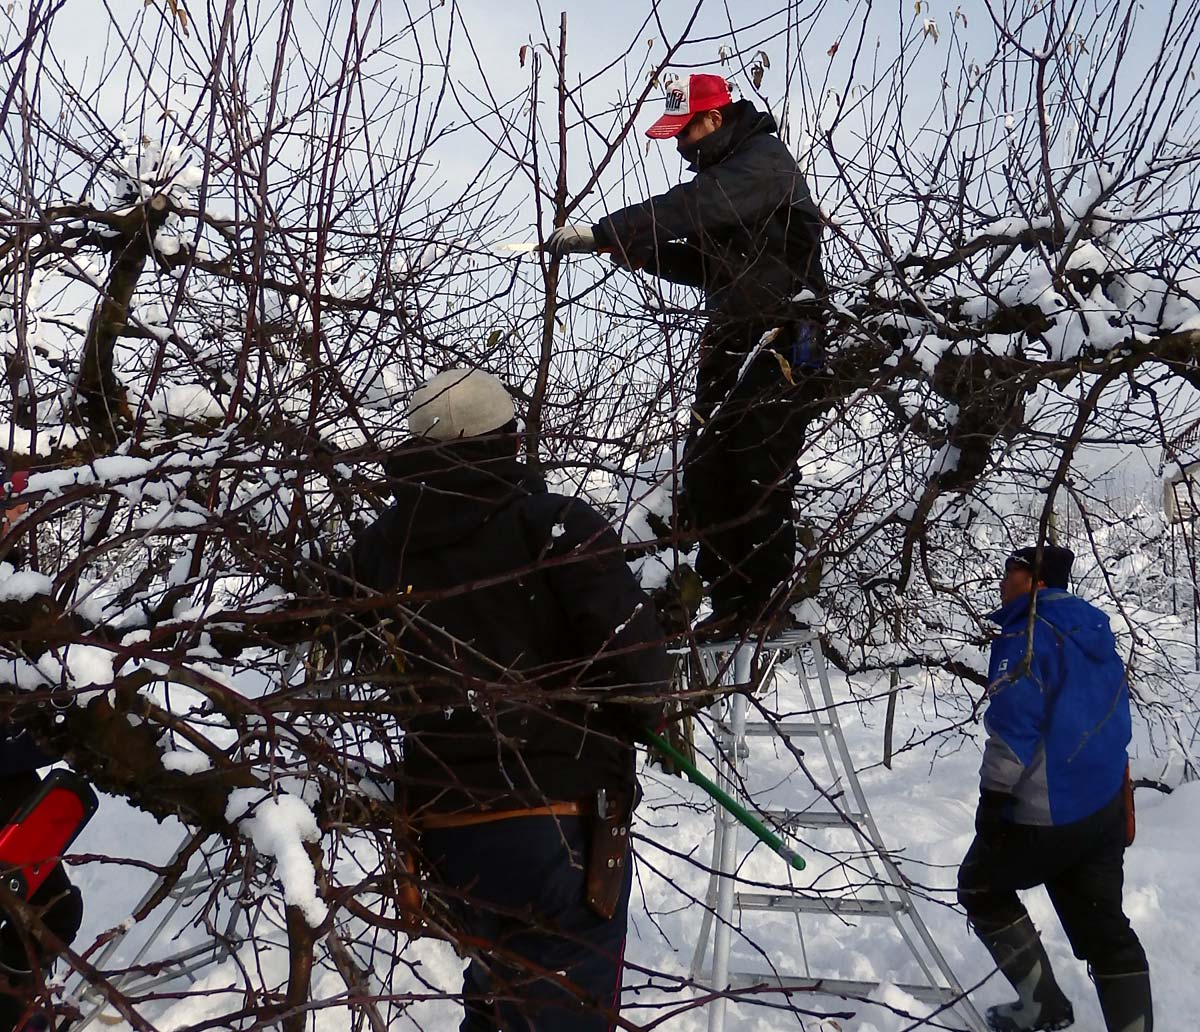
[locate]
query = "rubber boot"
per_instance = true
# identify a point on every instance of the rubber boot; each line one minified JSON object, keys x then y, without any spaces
{"x":678,"y":600}
{"x":15,"y":1003}
{"x":728,"y":621}
{"x":1125,"y":1002}
{"x":1040,"y":1005}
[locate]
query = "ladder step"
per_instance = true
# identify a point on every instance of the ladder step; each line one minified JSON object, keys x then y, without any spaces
{"x":813,"y":818}
{"x":845,"y":987}
{"x":788,"y":728}
{"x":783,"y":640}
{"x":841,"y":906}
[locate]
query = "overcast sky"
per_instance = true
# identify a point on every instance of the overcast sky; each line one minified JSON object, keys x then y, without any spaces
{"x":815,"y":48}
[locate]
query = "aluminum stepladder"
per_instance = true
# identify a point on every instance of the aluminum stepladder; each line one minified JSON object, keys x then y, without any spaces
{"x":187,"y":963}
{"x":885,"y":894}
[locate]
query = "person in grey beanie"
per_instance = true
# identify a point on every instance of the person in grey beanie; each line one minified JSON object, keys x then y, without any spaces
{"x":531,"y":658}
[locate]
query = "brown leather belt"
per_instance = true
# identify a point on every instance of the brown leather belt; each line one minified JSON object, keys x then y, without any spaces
{"x":434,"y":821}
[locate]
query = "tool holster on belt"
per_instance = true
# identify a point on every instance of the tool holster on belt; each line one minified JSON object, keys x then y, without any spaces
{"x":608,"y":853}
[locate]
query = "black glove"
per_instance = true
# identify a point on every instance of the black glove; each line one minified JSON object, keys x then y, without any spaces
{"x":992,"y":815}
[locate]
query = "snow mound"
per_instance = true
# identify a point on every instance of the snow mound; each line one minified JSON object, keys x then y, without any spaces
{"x":84,"y":667}
{"x":279,"y":826}
{"x":22,"y":586}
{"x":186,"y":761}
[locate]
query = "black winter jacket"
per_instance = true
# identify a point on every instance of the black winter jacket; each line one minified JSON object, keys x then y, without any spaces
{"x":19,"y":753}
{"x":20,"y":759}
{"x":745,"y":229}
{"x":517,"y":617}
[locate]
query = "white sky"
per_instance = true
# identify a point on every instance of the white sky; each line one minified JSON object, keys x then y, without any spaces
{"x":611,"y":46}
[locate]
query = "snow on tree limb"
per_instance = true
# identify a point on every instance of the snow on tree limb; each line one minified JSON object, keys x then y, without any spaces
{"x":217,"y":292}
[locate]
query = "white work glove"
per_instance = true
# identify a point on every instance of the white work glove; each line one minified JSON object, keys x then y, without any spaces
{"x":573,"y":237}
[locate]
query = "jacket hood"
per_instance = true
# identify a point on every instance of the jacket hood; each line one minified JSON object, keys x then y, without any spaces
{"x":1071,"y":616}
{"x":744,"y":121}
{"x":446,"y":491}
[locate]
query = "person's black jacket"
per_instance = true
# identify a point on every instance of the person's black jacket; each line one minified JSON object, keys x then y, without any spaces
{"x":20,"y":759}
{"x":517,"y":618}
{"x":19,"y":753}
{"x":745,"y":229}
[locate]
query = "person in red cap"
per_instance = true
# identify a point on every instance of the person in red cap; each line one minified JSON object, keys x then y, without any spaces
{"x":12,"y":509}
{"x":746,"y":231}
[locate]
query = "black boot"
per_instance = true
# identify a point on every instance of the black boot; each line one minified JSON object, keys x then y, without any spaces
{"x":1125,"y":1002}
{"x":678,"y":600}
{"x":1021,"y":958}
{"x":16,"y":997}
{"x":728,"y":621}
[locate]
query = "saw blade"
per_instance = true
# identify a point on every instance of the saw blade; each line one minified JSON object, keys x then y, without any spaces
{"x":518,"y":247}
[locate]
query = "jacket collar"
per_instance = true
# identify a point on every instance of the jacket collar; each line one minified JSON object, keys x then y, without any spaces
{"x":744,"y":121}
{"x":447,"y":491}
{"x":1018,"y":608}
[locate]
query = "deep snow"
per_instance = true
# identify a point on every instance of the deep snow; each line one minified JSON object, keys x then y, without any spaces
{"x":924,"y":808}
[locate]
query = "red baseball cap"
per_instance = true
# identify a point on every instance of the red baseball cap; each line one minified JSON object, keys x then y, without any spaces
{"x":18,"y":479}
{"x":688,"y":97}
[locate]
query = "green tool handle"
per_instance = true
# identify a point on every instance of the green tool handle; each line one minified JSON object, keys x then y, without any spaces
{"x":744,"y":816}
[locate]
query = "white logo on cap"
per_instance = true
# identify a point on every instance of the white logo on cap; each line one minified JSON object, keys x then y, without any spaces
{"x":676,"y":100}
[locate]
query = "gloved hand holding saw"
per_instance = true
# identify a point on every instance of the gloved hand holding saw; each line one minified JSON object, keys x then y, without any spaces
{"x":573,"y":238}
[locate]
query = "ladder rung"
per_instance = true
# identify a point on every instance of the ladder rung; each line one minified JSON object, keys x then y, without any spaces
{"x":841,"y":906}
{"x":790,"y":728}
{"x":782,"y":640}
{"x":197,"y":958}
{"x":813,"y":818}
{"x":847,"y":987}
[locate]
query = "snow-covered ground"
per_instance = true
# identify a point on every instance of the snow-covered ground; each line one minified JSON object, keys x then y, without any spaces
{"x":924,"y":808}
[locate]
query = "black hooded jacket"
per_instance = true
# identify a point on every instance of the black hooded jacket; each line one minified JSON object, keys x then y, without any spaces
{"x":19,"y":753}
{"x":745,"y":229}
{"x":20,"y":759}
{"x":517,"y":619}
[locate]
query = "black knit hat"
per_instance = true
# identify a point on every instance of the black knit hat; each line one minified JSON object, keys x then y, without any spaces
{"x":1055,"y":570}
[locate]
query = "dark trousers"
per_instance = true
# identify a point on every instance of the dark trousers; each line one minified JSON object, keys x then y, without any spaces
{"x":1081,"y":865}
{"x":525,"y":881}
{"x":62,"y":915}
{"x":739,"y":465}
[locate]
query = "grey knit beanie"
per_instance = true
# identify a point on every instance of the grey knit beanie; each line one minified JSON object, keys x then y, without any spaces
{"x":459,"y":403}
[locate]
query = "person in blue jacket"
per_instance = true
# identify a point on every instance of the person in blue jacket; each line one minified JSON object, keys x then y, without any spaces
{"x":1052,"y":801}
